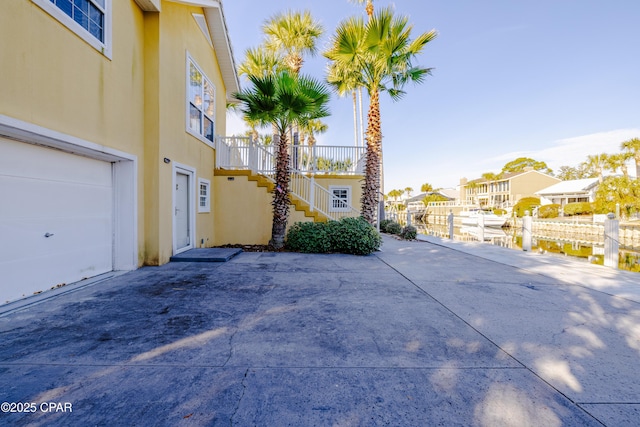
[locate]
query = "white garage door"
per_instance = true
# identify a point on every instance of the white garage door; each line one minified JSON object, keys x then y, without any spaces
{"x":56,"y":218}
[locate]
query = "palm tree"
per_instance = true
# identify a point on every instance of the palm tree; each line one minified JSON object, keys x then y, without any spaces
{"x":383,"y":52}
{"x":395,"y":194}
{"x":408,"y":190}
{"x":567,"y":173}
{"x":311,"y":129}
{"x":426,"y":188}
{"x":260,"y":61}
{"x":292,"y":35}
{"x":369,"y":9}
{"x":621,"y":191}
{"x":632,"y":147}
{"x":613,"y":162}
{"x":345,"y":79}
{"x":598,"y":163}
{"x":283,"y":100}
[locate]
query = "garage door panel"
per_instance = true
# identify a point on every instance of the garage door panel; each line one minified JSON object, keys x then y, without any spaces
{"x":55,"y":164}
{"x":48,"y":271}
{"x":29,"y":236}
{"x":37,"y":198}
{"x":68,"y":197}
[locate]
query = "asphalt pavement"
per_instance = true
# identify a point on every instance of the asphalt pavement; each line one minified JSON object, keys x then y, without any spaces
{"x":421,"y":333}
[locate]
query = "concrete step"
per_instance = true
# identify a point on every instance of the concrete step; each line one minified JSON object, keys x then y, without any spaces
{"x":206,"y":255}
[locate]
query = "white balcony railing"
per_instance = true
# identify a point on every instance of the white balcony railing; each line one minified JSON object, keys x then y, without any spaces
{"x":241,"y":153}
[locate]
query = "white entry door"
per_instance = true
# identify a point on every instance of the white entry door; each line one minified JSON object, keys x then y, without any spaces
{"x":182,"y":213}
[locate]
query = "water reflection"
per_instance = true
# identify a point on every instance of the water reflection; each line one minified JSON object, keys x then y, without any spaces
{"x":511,"y":238}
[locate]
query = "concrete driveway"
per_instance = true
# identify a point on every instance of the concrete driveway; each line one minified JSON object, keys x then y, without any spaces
{"x":421,"y":333}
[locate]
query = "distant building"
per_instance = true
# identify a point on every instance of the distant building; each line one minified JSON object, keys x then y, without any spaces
{"x":577,"y":190}
{"x":415,"y":203}
{"x":505,"y":191}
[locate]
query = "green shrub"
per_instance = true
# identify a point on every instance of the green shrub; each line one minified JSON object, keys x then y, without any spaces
{"x":393,"y":228}
{"x":409,"y":232}
{"x":309,"y":237}
{"x":549,"y":211}
{"x":579,"y":208}
{"x":354,"y":236}
{"x":384,"y":224}
{"x":525,"y":204}
{"x":499,"y":211}
{"x":349,"y":236}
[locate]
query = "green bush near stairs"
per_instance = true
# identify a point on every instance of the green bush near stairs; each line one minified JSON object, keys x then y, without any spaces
{"x":309,"y":237}
{"x":349,"y":235}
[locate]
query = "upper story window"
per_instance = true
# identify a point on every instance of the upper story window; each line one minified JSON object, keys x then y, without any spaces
{"x":200,"y":103}
{"x":89,"y":19}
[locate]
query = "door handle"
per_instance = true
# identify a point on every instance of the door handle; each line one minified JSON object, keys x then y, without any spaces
{"x":48,"y":234}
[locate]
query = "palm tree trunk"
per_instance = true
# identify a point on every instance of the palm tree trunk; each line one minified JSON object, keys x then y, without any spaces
{"x":355,"y":120}
{"x":371,"y":185}
{"x":280,"y":194}
{"x":369,"y":9}
{"x":637,"y":159}
{"x":361,"y":117}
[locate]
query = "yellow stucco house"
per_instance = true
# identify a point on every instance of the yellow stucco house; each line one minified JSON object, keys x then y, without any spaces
{"x":111,"y":157}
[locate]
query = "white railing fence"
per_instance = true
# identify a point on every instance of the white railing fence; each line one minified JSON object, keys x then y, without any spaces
{"x":236,"y":152}
{"x":328,"y":159}
{"x":241,"y":153}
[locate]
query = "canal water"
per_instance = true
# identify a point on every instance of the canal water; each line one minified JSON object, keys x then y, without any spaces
{"x":629,"y":257}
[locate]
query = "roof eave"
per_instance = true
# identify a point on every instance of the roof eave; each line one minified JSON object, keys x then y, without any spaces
{"x":222,"y":45}
{"x":217,"y":24}
{"x":149,"y":5}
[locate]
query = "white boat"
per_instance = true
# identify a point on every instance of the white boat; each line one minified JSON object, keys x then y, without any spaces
{"x":476,"y":217}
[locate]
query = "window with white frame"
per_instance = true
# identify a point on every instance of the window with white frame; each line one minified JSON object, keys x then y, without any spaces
{"x":89,"y":19}
{"x":204,"y":195}
{"x":340,"y":198}
{"x":200,"y":103}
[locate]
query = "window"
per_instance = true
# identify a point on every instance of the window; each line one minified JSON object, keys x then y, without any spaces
{"x":341,"y":199}
{"x":200,"y":103}
{"x":204,"y":195}
{"x":89,"y":19}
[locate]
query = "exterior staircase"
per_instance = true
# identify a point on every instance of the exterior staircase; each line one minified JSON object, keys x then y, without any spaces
{"x":238,"y":156}
{"x":269,"y":185}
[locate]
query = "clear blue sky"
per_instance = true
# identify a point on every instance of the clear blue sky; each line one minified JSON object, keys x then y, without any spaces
{"x":555,"y":80}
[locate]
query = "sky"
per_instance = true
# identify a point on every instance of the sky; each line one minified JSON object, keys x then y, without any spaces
{"x":554,"y":80}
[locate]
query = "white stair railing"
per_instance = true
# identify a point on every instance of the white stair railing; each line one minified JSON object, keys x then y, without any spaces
{"x":241,"y":153}
{"x":319,"y":198}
